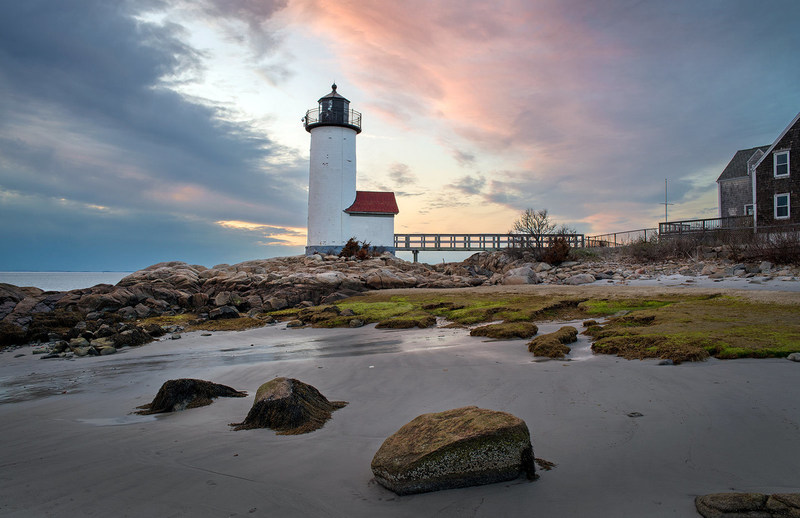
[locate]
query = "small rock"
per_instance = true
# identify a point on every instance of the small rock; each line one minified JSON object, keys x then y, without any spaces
{"x":356,"y":322}
{"x":666,"y":362}
{"x":175,"y":395}
{"x":205,"y":334}
{"x":105,"y":351}
{"x":795,"y":357}
{"x":295,"y":323}
{"x":289,"y":407}
{"x":175,"y":336}
{"x":223,"y":312}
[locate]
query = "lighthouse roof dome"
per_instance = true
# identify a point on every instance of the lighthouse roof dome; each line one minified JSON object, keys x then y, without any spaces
{"x":333,"y":95}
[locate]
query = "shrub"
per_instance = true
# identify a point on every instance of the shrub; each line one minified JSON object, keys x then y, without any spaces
{"x":557,"y":252}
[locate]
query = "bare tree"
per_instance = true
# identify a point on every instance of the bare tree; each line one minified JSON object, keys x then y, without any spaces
{"x":535,"y":223}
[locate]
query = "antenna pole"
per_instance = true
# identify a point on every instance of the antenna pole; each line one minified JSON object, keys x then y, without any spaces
{"x":666,"y":204}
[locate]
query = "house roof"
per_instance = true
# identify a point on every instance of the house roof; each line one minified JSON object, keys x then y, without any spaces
{"x":737,"y":167}
{"x":783,"y":134}
{"x":372,"y":202}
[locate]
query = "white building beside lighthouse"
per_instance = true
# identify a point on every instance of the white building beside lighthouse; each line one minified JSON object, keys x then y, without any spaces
{"x":336,"y":211}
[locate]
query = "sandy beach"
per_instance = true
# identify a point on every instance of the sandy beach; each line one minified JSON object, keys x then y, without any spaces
{"x":71,"y":447}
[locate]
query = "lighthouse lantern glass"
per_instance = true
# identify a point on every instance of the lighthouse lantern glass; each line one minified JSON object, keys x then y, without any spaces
{"x":334,"y":110}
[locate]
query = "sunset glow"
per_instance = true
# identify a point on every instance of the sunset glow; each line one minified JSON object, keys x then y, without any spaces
{"x":176,"y":125}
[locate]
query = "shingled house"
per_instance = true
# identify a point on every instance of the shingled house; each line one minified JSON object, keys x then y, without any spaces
{"x":735,"y":184}
{"x":764,"y":182}
{"x":776,"y":192}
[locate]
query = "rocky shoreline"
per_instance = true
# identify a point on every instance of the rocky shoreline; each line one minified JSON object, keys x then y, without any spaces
{"x":103,"y":318}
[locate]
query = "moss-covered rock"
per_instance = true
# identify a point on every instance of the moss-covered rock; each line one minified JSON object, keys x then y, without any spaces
{"x":553,"y":345}
{"x":741,"y":505}
{"x":506,"y":330}
{"x":289,"y":407}
{"x":458,"y":448}
{"x":179,"y":394}
{"x":407,"y":322}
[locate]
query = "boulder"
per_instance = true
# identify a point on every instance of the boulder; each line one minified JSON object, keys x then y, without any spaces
{"x":141,"y":310}
{"x":179,"y":394}
{"x":223,"y":312}
{"x":522,"y":275}
{"x":289,"y":407}
{"x":748,"y":505}
{"x":581,"y":278}
{"x":458,"y":448}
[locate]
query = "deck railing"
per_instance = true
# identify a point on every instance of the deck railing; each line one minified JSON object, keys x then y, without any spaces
{"x":478,"y":242}
{"x":691,"y":226}
{"x":621,"y":238}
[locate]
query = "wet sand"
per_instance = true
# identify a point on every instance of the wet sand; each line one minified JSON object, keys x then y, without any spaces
{"x":70,"y":447}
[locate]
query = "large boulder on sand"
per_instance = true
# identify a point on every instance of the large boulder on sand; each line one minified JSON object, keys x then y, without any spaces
{"x":742,"y":505}
{"x":289,"y":407}
{"x":463,"y":447}
{"x":175,"y":395}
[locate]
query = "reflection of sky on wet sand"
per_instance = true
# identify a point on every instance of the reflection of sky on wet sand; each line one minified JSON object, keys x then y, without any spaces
{"x":33,"y":380}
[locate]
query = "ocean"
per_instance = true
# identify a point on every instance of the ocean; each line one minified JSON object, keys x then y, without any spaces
{"x":61,"y":281}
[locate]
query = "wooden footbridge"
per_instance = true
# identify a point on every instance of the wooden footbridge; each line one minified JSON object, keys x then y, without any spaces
{"x":416,"y":243}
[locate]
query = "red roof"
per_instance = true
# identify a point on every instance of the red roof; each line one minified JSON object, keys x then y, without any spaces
{"x":374,"y":203}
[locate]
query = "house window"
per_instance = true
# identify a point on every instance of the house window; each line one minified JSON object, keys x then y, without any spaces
{"x":782,"y":206}
{"x":781,"y":161}
{"x":748,"y":209}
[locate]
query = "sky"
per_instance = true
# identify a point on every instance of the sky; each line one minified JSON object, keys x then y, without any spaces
{"x":139,"y":131}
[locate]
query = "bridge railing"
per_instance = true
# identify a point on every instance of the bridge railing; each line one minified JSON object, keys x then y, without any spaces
{"x":621,"y":238}
{"x":478,"y":242}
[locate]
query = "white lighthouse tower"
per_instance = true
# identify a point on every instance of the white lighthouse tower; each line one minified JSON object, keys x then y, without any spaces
{"x":336,"y":212}
{"x":332,"y":171}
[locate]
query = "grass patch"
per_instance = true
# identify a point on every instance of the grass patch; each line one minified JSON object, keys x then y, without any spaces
{"x":227,"y":324}
{"x":611,"y":307}
{"x":506,"y":330}
{"x":724,"y":327}
{"x":190,"y":323}
{"x":171,"y":320}
{"x":677,"y":327}
{"x":421,"y":320}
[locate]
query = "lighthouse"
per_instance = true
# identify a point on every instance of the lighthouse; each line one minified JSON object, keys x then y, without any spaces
{"x":336,"y":210}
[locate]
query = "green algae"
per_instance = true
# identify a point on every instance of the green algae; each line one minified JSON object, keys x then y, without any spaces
{"x":678,"y":327}
{"x":506,"y":330}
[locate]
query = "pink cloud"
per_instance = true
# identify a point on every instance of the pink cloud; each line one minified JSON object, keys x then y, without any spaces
{"x":501,"y":74}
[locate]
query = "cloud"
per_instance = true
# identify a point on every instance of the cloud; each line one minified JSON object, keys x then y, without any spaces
{"x":74,"y":236}
{"x":87,"y":115}
{"x":594,"y":102}
{"x":401,"y":174}
{"x":469,"y":184}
